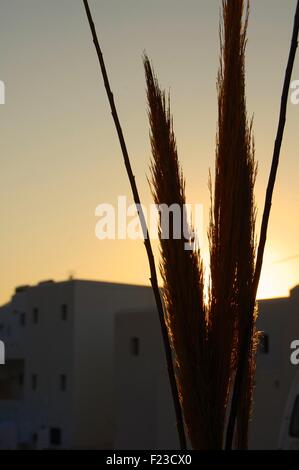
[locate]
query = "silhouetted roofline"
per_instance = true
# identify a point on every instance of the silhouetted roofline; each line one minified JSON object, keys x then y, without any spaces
{"x":292,"y":292}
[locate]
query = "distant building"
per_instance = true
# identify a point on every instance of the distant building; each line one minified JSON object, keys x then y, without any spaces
{"x":279,"y":322}
{"x":85,"y":368}
{"x":144,"y":408}
{"x":143,"y":394}
{"x":57,"y":385}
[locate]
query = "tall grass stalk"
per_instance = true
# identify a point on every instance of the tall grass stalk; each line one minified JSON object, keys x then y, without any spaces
{"x":206,"y":338}
{"x":246,"y":345}
{"x":232,"y":221}
{"x":147,"y":242}
{"x":181,"y":269}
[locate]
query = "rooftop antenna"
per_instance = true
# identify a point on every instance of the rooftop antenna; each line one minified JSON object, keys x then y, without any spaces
{"x":71,"y":275}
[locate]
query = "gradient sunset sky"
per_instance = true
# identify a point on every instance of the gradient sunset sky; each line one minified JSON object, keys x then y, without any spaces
{"x":59,"y":155}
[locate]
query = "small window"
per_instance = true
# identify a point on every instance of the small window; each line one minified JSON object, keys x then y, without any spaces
{"x":294,"y":424}
{"x":21,"y":380}
{"x":277,"y":384}
{"x":34,"y":381}
{"x":23,"y":319}
{"x":35,"y":315}
{"x":264,"y":344}
{"x":134,"y":346}
{"x":64,"y":312}
{"x":34,"y":437}
{"x":55,"y":436}
{"x":63,"y":382}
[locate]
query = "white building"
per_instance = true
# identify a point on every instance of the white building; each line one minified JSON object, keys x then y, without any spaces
{"x":279,"y":320}
{"x":57,"y":385}
{"x":85,"y":368}
{"x":144,"y":402}
{"x":144,"y":409}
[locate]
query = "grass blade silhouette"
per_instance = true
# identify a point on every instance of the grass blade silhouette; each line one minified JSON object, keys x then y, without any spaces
{"x":239,"y":380}
{"x":147,"y":243}
{"x":181,"y":269}
{"x":232,"y":220}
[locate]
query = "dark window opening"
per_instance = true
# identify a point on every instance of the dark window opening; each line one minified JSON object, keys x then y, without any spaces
{"x":64,"y":312}
{"x":34,"y":381}
{"x":55,"y":436}
{"x":277,"y":384}
{"x":264,"y":344}
{"x":23,"y":319}
{"x":134,"y":346}
{"x":63,"y":382}
{"x":294,"y":424}
{"x":21,"y":380}
{"x":34,"y":437}
{"x":35,"y":315}
{"x":10,"y":387}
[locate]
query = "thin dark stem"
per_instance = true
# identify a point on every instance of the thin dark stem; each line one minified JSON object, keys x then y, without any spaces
{"x":264,"y":228}
{"x":147,"y":243}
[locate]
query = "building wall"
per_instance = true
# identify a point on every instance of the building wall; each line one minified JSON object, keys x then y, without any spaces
{"x":93,"y":404}
{"x":109,"y":349}
{"x":79,"y":346}
{"x":46,"y":349}
{"x":143,"y":391}
{"x":278,"y":319}
{"x":145,"y":414}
